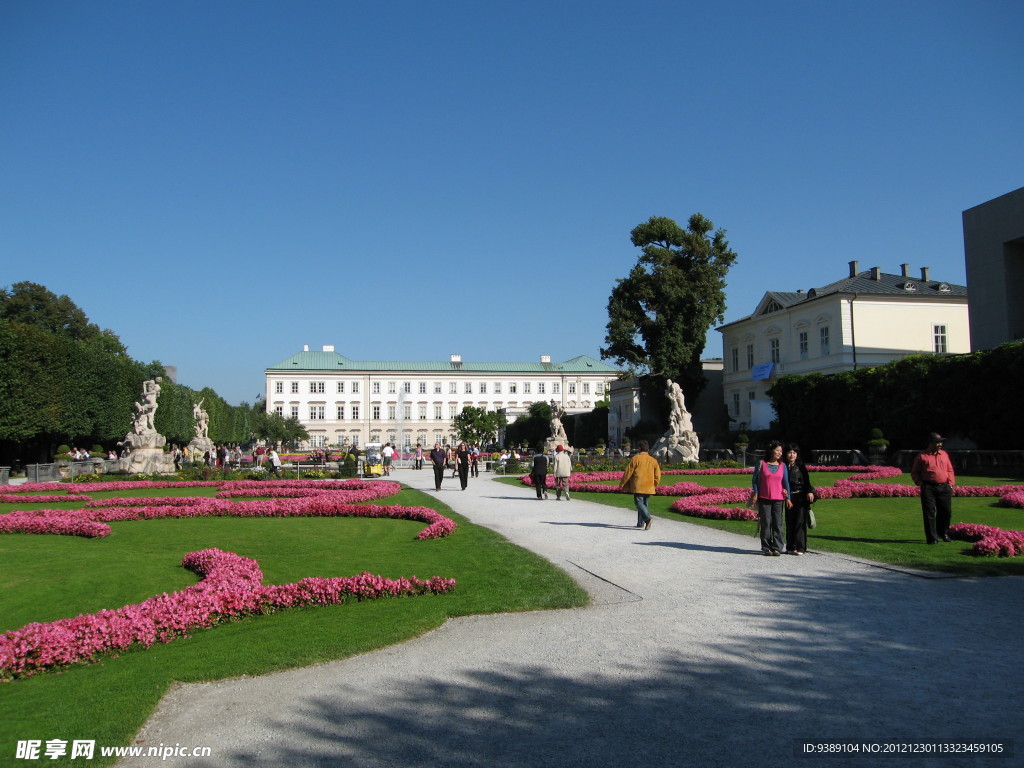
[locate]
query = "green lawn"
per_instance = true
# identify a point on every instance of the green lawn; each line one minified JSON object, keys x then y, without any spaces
{"x":884,"y":530}
{"x":50,"y":577}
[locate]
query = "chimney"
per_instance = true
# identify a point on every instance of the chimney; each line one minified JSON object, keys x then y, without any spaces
{"x":876,"y":273}
{"x":328,"y":347}
{"x":926,"y":274}
{"x":854,"y":266}
{"x":456,"y":358}
{"x":905,"y":270}
{"x":305,"y":347}
{"x":545,"y":358}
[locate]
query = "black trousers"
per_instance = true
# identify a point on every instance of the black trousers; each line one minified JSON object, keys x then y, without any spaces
{"x":936,"y":509}
{"x":438,"y":475}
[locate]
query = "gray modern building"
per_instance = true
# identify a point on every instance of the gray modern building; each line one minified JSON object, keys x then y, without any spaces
{"x":994,"y":250}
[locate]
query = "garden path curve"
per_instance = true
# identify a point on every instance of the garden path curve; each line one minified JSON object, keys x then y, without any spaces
{"x":696,"y":651}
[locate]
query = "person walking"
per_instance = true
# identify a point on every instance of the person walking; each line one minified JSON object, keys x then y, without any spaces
{"x":771,"y":492}
{"x":801,"y":494}
{"x":463,"y":458}
{"x":932,"y":472}
{"x":562,"y":471}
{"x":274,"y":462}
{"x":539,"y":473}
{"x":641,"y":478}
{"x":438,"y":458}
{"x":387,"y":454}
{"x":419,"y":456}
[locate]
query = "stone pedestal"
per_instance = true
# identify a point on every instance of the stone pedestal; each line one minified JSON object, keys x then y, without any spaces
{"x":673,"y":449}
{"x":552,"y":443}
{"x":147,"y":455}
{"x":199,"y":446}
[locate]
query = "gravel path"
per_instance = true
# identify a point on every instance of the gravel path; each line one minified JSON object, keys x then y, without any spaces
{"x":697,"y":650}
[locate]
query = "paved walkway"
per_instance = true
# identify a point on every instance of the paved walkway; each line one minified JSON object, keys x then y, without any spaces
{"x":696,"y":651}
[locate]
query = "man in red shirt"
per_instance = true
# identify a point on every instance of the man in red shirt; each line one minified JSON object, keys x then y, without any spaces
{"x":933,"y":473}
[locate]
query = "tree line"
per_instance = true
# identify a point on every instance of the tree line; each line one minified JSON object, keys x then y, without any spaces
{"x":65,"y":380}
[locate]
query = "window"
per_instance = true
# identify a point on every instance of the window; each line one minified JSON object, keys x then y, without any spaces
{"x":279,"y":410}
{"x":497,"y":387}
{"x":355,"y":413}
{"x":586,"y":387}
{"x":423,"y":411}
{"x":939,"y":335}
{"x":437,"y":411}
{"x":526,"y":387}
{"x":407,"y":412}
{"x":295,"y":387}
{"x":823,"y":341}
{"x":453,"y":387}
{"x":316,"y":387}
{"x":407,"y":387}
{"x":316,"y":413}
{"x":512,"y":389}
{"x":469,"y":388}
{"x":392,"y":388}
{"x":375,"y":388}
{"x":735,"y":359}
{"x":376,"y":413}
{"x":572,"y":387}
{"x":599,"y":388}
{"x":803,"y":345}
{"x":774,"y":346}
{"x":423,"y":387}
{"x":437,"y":387}
{"x":556,"y":388}
{"x":341,"y":413}
{"x":437,"y":437}
{"x":355,"y":387}
{"x":736,"y":403}
{"x":750,"y":355}
{"x":278,"y":387}
{"x":295,"y":411}
{"x":483,"y":387}
{"x":341,"y":387}
{"x":540,"y":388}
{"x":391,"y":412}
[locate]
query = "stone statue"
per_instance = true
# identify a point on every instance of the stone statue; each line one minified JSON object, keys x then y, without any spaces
{"x":557,"y":429}
{"x":680,"y":442}
{"x":202,"y":418}
{"x":144,"y":444}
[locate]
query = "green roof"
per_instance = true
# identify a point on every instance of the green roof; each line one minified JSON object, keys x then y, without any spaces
{"x":332,"y":361}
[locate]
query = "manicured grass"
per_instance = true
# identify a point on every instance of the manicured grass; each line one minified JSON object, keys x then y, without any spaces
{"x":884,"y":530}
{"x":50,"y":577}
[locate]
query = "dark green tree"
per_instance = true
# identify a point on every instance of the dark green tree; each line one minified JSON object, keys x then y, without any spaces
{"x":531,"y":428}
{"x":478,"y":426}
{"x":659,"y":316}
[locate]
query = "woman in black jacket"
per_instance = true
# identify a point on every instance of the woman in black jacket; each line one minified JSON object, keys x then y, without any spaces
{"x":801,"y":492}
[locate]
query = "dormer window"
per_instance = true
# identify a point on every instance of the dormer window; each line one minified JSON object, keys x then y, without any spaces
{"x":773,"y":306}
{"x":812,"y":293}
{"x":909,"y":287}
{"x":944,"y":288}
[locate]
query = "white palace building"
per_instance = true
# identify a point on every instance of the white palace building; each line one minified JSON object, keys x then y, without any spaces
{"x":354,"y":402}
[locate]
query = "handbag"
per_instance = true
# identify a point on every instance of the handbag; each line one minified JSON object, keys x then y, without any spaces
{"x":812,"y":521}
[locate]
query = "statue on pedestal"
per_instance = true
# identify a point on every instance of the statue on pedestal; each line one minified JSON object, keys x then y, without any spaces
{"x":680,"y":442}
{"x":146,"y":445}
{"x":201,"y":443}
{"x":558,"y":436}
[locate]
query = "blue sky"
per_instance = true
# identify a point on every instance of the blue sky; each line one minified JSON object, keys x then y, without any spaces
{"x":222,"y":182}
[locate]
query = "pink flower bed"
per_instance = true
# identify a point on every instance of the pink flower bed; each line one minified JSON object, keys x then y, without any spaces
{"x":1014,"y":498}
{"x":90,"y":520}
{"x":230,"y":588}
{"x":989,"y":541}
{"x":19,"y":498}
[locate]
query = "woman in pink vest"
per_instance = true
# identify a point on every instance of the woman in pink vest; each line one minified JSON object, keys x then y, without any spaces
{"x":771,"y":492}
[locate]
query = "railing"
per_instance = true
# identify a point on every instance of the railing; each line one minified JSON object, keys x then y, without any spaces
{"x":841,"y":457}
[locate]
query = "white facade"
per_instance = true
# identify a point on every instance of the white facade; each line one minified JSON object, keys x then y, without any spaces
{"x":345,"y":402}
{"x":868,"y":319}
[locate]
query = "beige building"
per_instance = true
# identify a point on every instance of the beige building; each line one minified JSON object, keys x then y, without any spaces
{"x":866,"y":319}
{"x":352,"y":402}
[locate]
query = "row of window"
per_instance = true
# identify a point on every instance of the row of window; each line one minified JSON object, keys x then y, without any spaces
{"x":319,"y":412}
{"x":775,"y":348}
{"x":321,"y":441}
{"x":940,"y":345}
{"x":319,"y":387}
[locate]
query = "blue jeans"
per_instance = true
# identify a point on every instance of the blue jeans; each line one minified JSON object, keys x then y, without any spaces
{"x":640,"y":499}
